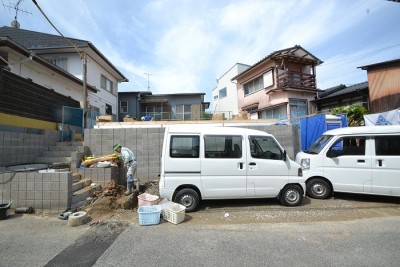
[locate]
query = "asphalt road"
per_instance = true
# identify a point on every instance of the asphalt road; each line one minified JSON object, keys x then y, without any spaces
{"x":344,"y":231}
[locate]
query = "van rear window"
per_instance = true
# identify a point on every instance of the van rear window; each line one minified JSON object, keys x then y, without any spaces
{"x":223,"y":146}
{"x":184,"y":146}
{"x":387,"y":145}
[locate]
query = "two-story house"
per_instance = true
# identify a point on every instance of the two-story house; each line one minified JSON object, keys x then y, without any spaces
{"x":280,"y":86}
{"x":97,"y":78}
{"x":224,"y":95}
{"x":179,"y":106}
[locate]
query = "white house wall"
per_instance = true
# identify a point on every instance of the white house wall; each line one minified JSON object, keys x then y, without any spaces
{"x":228,"y":104}
{"x":26,"y":68}
{"x":102,"y":97}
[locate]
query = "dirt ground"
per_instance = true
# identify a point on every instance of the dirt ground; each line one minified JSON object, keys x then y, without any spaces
{"x":342,"y":207}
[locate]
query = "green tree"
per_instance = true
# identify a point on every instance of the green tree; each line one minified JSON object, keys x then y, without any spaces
{"x":355,"y":114}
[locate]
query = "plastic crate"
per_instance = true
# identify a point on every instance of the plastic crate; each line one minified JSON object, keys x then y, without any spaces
{"x":173,"y":213}
{"x":149,"y":215}
{"x":146,"y":199}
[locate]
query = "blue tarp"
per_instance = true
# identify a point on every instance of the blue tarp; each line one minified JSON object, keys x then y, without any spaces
{"x":312,"y":128}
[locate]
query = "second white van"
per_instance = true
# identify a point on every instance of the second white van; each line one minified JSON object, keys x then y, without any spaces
{"x":211,"y":162}
{"x":362,"y":160}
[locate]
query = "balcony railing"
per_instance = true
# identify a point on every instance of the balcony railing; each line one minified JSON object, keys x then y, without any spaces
{"x":295,"y":79}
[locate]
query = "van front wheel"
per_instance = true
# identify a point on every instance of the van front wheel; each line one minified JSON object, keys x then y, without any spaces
{"x":188,"y":198}
{"x":318,"y":188}
{"x":291,"y":195}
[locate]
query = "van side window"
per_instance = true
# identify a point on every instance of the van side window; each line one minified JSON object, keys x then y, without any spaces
{"x":265,"y":147}
{"x":223,"y":146}
{"x":184,"y":146}
{"x":387,"y":145}
{"x":348,"y":146}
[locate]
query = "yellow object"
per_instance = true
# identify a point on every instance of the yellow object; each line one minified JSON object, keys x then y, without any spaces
{"x":89,"y":160}
{"x":13,"y":120}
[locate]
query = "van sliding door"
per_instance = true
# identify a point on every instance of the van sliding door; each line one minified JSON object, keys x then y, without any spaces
{"x":386,"y":166}
{"x":223,"y":172}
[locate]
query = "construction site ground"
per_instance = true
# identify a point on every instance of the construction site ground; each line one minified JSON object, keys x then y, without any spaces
{"x":341,"y":207}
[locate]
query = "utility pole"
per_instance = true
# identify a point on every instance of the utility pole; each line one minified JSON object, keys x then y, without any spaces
{"x":85,"y":92}
{"x":148,"y":80}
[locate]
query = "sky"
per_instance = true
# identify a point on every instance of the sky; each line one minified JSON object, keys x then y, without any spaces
{"x":184,"y":46}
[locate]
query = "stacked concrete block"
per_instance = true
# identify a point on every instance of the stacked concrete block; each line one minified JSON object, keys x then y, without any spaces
{"x":23,"y":148}
{"x":101,"y":176}
{"x":147,"y":145}
{"x":48,"y":191}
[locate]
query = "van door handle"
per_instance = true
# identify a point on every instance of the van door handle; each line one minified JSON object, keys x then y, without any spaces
{"x":252,"y":164}
{"x":379,"y":162}
{"x":360,"y":160}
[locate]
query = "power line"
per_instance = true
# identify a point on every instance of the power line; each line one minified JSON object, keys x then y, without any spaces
{"x":68,"y":40}
{"x":364,"y":54}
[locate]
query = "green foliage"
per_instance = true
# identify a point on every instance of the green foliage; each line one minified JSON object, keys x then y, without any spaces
{"x":206,"y":116}
{"x":355,"y":114}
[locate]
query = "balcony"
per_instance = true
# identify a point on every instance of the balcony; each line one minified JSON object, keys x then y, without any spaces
{"x":293,"y":79}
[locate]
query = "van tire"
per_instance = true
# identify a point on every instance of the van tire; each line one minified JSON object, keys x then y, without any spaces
{"x":318,"y":188}
{"x":188,"y":198}
{"x":291,"y":195}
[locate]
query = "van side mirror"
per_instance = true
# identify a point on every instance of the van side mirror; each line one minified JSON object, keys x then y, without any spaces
{"x":284,"y":155}
{"x":332,"y":153}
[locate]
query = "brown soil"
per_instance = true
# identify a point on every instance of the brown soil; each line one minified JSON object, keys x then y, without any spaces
{"x":112,"y":204}
{"x":121,"y":208}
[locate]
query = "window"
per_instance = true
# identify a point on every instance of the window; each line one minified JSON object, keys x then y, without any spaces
{"x":253,"y":86}
{"x":298,"y":107}
{"x":155,"y":111}
{"x":123,"y":106}
{"x":218,"y":146}
{"x":106,"y":84}
{"x":348,"y":146}
{"x":60,"y":62}
{"x":319,"y":144}
{"x":268,"y":79}
{"x":183,"y":112}
{"x":265,"y":147}
{"x":278,"y":113}
{"x":184,"y":146}
{"x":108,"y":109}
{"x":222,"y":93}
{"x":387,"y":145}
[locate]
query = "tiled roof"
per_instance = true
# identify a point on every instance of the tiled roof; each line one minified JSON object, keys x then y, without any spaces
{"x":342,"y":89}
{"x":38,"y":40}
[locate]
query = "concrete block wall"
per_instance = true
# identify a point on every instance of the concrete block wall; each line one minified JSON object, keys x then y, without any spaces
{"x":22,"y":148}
{"x":102,"y":176}
{"x":147,"y":143}
{"x":42,"y":191}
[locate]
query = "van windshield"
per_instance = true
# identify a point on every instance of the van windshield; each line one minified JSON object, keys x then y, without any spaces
{"x":319,"y":144}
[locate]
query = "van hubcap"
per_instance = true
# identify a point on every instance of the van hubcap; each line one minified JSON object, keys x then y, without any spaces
{"x":187,"y":200}
{"x":318,"y":189}
{"x":292,"y":196}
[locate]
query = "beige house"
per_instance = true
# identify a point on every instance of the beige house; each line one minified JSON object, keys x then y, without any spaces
{"x":280,"y":86}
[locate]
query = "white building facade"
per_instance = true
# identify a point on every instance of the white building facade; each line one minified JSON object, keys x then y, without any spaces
{"x":224,"y":95}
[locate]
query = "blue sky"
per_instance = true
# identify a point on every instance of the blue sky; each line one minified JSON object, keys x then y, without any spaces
{"x":185,"y":45}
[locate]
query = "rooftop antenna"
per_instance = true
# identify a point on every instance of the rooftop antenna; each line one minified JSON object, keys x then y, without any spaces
{"x":148,"y":80}
{"x":15,"y":23}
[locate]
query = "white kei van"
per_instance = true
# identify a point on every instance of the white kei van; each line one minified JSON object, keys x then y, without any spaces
{"x":212,"y":162}
{"x":355,"y":160}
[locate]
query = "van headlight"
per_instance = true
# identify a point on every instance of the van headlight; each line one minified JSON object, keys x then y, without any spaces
{"x":305,"y":164}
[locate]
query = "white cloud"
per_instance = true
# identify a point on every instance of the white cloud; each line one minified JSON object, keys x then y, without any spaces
{"x":187,"y":44}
